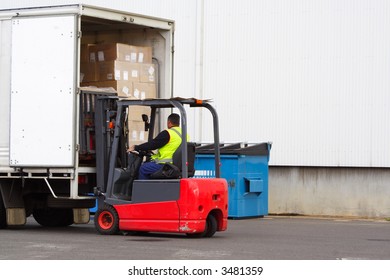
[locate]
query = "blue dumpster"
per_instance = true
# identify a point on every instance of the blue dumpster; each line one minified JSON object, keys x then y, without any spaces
{"x":245,"y":167}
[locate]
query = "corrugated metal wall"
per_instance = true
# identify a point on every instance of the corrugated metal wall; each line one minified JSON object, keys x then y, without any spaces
{"x":312,"y":76}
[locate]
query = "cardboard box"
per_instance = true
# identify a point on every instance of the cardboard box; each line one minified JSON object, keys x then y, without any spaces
{"x":144,"y":90}
{"x":137,"y":133}
{"x":89,"y":72}
{"x":85,"y":53}
{"x":144,"y":55}
{"x":121,"y":52}
{"x":123,"y":88}
{"x":147,"y":73}
{"x":118,"y":71}
{"x":135,"y":112}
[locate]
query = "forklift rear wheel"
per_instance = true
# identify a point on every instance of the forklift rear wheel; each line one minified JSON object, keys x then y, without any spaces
{"x":107,"y":220}
{"x":3,"y":216}
{"x":209,"y":231}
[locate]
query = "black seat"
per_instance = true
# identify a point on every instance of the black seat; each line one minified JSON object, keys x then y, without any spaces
{"x":174,"y":171}
{"x":177,"y":159}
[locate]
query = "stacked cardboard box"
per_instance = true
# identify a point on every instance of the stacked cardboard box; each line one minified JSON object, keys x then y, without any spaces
{"x":126,"y":68}
{"x":136,"y":126}
{"x":137,"y":134}
{"x":129,"y":70}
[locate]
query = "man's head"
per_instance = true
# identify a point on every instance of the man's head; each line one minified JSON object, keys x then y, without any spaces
{"x":173,"y":120}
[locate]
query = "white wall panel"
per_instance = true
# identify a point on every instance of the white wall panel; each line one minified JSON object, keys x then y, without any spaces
{"x":310,"y":76}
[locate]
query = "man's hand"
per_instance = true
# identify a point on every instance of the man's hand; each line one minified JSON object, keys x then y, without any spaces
{"x":131,"y":149}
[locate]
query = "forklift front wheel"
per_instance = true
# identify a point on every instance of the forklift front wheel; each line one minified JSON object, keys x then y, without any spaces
{"x":107,"y":220}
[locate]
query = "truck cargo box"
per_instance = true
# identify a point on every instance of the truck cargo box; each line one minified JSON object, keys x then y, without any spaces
{"x":47,"y":55}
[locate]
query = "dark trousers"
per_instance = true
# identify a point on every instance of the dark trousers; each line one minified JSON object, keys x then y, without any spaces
{"x":147,"y":169}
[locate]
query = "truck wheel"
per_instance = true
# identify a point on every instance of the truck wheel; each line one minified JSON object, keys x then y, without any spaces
{"x":107,"y":220}
{"x":54,"y":217}
{"x":3,"y":216}
{"x":209,"y":231}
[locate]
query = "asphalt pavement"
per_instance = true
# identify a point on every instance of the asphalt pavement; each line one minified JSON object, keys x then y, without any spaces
{"x":267,"y":238}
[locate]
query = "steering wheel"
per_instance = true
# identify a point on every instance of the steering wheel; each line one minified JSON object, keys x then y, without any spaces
{"x":148,"y":154}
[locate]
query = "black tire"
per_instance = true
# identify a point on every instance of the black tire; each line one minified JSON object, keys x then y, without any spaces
{"x":107,"y":220}
{"x":3,"y":215}
{"x":54,"y":217}
{"x":210,"y":230}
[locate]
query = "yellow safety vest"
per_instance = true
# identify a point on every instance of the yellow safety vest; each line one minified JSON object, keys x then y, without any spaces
{"x":166,"y":152}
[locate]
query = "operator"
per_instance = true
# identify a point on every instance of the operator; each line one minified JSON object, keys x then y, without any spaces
{"x":166,"y":142}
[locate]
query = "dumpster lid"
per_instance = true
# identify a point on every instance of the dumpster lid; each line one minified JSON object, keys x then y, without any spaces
{"x":206,"y":147}
{"x":240,"y":148}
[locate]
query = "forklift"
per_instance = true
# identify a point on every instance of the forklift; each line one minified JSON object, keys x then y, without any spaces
{"x":171,"y":202}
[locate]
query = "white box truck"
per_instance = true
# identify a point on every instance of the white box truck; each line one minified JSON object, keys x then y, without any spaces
{"x":47,"y":157}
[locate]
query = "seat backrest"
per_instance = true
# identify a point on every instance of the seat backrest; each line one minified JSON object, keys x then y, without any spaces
{"x":175,"y":172}
{"x":177,"y":158}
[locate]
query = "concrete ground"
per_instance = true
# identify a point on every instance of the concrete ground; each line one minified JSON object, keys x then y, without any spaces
{"x":268,"y":238}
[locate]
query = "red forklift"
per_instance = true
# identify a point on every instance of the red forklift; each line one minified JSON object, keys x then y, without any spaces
{"x":174,"y":202}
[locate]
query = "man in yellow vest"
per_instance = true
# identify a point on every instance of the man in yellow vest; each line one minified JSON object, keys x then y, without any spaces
{"x":166,"y":142}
